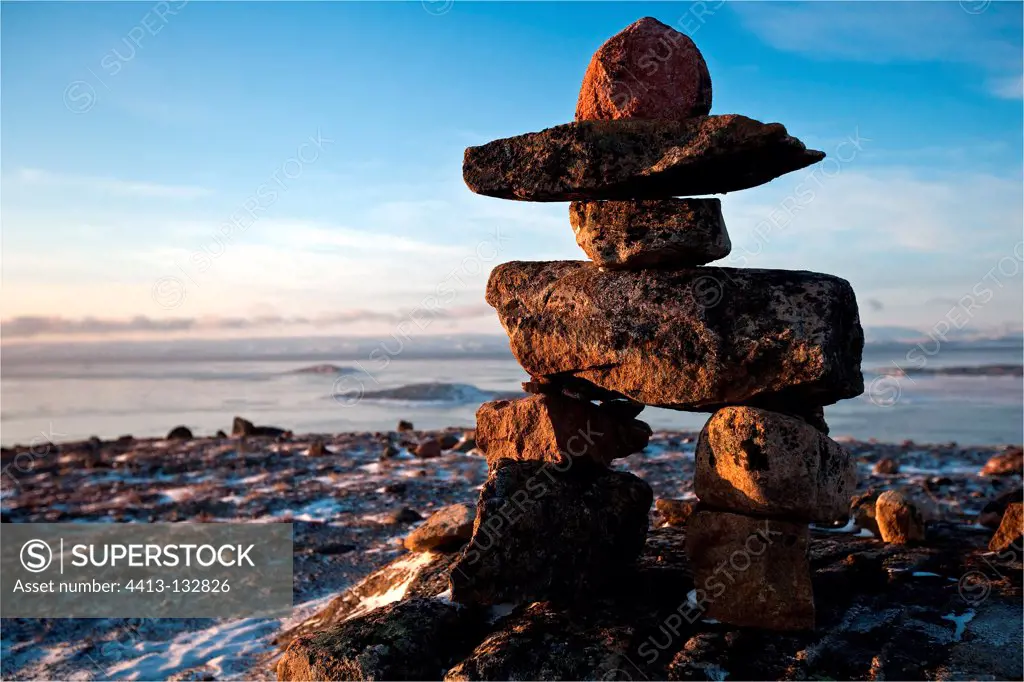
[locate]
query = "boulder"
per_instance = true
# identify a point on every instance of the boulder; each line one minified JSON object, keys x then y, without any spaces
{"x":180,"y":433}
{"x":862,"y":509}
{"x":656,"y":233}
{"x":243,"y":427}
{"x":467,"y":443}
{"x":749,"y":571}
{"x":416,"y":639}
{"x":444,"y":530}
{"x":763,"y":463}
{"x":555,"y":428}
{"x":899,"y":520}
{"x":318,"y":449}
{"x":404,"y":425}
{"x":545,"y":533}
{"x":448,"y":440}
{"x":1010,"y":530}
{"x":428,"y":449}
{"x":673,"y":512}
{"x":992,"y":513}
{"x":632,"y":159}
{"x":647,"y":70}
{"x":405,"y":515}
{"x":696,"y":339}
{"x":1009,"y":463}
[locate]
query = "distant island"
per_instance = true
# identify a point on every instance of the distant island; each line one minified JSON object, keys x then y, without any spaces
{"x":975,"y":371}
{"x":323,"y":369}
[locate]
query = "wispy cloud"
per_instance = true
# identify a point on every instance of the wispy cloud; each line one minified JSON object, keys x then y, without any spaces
{"x":27,"y":326}
{"x":35,"y":177}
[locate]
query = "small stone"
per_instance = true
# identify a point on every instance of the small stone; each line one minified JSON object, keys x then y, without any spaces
{"x":1009,"y":463}
{"x":673,"y":512}
{"x":396,"y":488}
{"x":647,"y":70}
{"x":220,"y":434}
{"x":444,"y":530}
{"x":634,"y":159}
{"x":318,"y":449}
{"x":751,"y":572}
{"x":886,"y":466}
{"x":428,"y":449}
{"x":899,"y":521}
{"x":448,"y":441}
{"x":545,"y":533}
{"x":758,"y":462}
{"x":1010,"y":530}
{"x":406,"y":515}
{"x":554,"y":428}
{"x":696,"y":339}
{"x":389,"y":451}
{"x":657,"y":233}
{"x":404,"y":425}
{"x":467,"y":443}
{"x":243,"y":428}
{"x":992,"y":513}
{"x":180,"y":433}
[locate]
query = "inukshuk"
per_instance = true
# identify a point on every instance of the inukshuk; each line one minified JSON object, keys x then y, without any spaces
{"x":647,"y":323}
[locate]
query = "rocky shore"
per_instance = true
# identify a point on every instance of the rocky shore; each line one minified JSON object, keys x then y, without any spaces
{"x":355,"y":497}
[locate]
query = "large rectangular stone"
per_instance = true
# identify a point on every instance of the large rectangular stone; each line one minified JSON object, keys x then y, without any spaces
{"x":694,"y":339}
{"x":635,"y":159}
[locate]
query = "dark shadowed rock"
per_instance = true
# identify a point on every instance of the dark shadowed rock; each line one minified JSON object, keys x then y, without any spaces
{"x":404,"y":425}
{"x":244,"y":427}
{"x":180,"y":433}
{"x":544,"y":534}
{"x":899,"y":520}
{"x":411,"y":640}
{"x":631,"y":159}
{"x":1010,"y":530}
{"x":763,"y":463}
{"x":448,"y":440}
{"x":657,"y":233}
{"x":555,"y":428}
{"x":406,"y":515}
{"x":751,"y":572}
{"x":694,"y":339}
{"x":647,"y":70}
{"x":992,"y":513}
{"x":318,"y":449}
{"x":1009,"y":463}
{"x":428,"y":449}
{"x":444,"y":530}
{"x":862,"y":509}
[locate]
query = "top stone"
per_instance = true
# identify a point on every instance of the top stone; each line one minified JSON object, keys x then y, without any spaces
{"x":648,"y":71}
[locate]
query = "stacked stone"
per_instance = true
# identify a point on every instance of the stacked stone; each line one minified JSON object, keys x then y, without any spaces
{"x":647,"y":323}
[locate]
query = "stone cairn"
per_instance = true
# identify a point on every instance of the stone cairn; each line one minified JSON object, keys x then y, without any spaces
{"x":646,"y":323}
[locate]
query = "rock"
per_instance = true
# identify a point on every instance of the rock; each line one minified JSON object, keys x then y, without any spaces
{"x":862,"y":509}
{"x":1009,"y":463}
{"x":396,"y":488}
{"x":448,"y":441}
{"x":992,"y":513}
{"x":886,"y":466}
{"x":318,"y":449}
{"x":1010,"y":530}
{"x":467,"y":443}
{"x":428,"y":449}
{"x":541,"y":533}
{"x":411,"y":640}
{"x":647,"y":70}
{"x":404,"y":425}
{"x":389,"y":451}
{"x":631,"y":159}
{"x":674,"y":512}
{"x":406,"y":515}
{"x":244,"y":427}
{"x":555,"y":428}
{"x":695,"y":339}
{"x":749,"y":571}
{"x":657,"y":233}
{"x":899,"y":520}
{"x":220,"y":434}
{"x":446,"y":529}
{"x":180,"y":433}
{"x":763,"y":463}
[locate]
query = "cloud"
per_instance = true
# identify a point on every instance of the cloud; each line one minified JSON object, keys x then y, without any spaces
{"x":34,"y":177}
{"x":28,"y":326}
{"x":885,"y":32}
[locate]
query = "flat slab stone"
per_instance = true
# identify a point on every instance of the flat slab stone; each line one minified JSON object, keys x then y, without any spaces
{"x":635,"y":159}
{"x":764,"y":463}
{"x":695,"y":339}
{"x":751,"y":572}
{"x":547,"y":532}
{"x":654,"y":233}
{"x":556,"y":428}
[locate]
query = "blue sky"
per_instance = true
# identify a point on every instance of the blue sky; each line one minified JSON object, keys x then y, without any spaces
{"x":219,"y":169}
